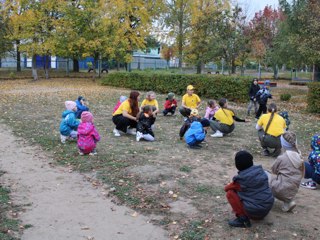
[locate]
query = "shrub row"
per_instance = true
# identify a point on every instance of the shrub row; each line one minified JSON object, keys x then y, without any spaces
{"x":314,"y":97}
{"x":233,"y":88}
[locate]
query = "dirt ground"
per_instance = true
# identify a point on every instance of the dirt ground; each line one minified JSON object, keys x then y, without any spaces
{"x":61,"y":204}
{"x":177,"y":188}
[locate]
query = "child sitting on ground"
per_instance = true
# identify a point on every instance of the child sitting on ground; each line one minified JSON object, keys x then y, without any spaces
{"x":69,"y":124}
{"x":88,"y":135}
{"x":288,"y":170}
{"x":170,"y":105}
{"x":285,"y":116}
{"x":212,"y":108}
{"x":82,"y":105}
{"x":249,"y":194}
{"x":121,"y":100}
{"x":312,"y":168}
{"x":145,"y":121}
{"x":194,"y":116}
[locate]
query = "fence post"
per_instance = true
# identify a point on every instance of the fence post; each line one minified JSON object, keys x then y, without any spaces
{"x":67,"y":67}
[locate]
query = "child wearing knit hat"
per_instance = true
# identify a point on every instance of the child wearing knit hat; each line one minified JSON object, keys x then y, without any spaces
{"x":170,"y":105}
{"x":248,"y":194}
{"x":88,"y":135}
{"x":288,"y":170}
{"x":69,"y":124}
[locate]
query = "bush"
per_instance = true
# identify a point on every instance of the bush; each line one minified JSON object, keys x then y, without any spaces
{"x":313,"y":97}
{"x":285,"y":97}
{"x":209,"y":86}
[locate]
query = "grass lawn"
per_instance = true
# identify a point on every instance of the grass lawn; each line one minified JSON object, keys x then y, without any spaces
{"x":181,"y":188}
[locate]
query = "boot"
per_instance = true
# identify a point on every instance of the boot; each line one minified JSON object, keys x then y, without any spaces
{"x":242,"y":222}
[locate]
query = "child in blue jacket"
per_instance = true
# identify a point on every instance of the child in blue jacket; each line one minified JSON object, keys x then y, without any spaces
{"x":81,"y":106}
{"x":69,"y":124}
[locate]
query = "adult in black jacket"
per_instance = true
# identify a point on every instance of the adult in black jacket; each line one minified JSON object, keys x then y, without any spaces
{"x":252,"y":94}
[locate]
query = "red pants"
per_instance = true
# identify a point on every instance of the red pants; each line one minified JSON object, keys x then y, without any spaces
{"x":235,"y":202}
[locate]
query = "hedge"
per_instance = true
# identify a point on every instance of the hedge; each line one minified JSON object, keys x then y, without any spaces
{"x":209,"y":86}
{"x":313,"y":97}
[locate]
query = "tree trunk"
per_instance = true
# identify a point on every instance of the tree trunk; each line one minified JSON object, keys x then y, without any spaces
{"x":233,"y":66}
{"x":180,"y":36}
{"x":46,"y":66}
{"x":316,"y":73}
{"x":242,"y":69}
{"x":199,"y":67}
{"x":75,"y":65}
{"x":118,"y":65}
{"x":259,"y":71}
{"x":275,"y":72}
{"x":34,"y":68}
{"x":18,"y":56}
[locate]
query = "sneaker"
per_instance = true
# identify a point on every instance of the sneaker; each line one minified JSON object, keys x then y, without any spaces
{"x":131,"y":131}
{"x":139,"y":135}
{"x":266,"y":152}
{"x":195,"y":146}
{"x":63,"y":138}
{"x":288,"y":206}
{"x":242,"y":222}
{"x":217,"y":134}
{"x":93,"y":152}
{"x":81,"y":153}
{"x":310,"y":185}
{"x":116,"y":133}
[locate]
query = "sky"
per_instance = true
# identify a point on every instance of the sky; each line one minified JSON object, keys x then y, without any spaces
{"x":253,"y":6}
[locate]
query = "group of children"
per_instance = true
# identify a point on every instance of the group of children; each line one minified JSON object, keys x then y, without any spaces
{"x":251,"y":193}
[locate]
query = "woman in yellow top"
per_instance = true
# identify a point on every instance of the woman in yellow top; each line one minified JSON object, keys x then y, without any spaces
{"x":189,"y":101}
{"x":125,"y":116}
{"x":223,"y":120}
{"x":270,"y":127}
{"x":151,"y":100}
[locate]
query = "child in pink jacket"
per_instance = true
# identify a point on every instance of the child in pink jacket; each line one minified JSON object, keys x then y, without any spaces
{"x":88,"y":135}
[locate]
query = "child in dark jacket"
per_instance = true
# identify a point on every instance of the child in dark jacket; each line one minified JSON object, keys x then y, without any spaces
{"x":69,"y":124}
{"x":170,"y":105}
{"x":145,"y":121}
{"x":252,"y":94}
{"x":88,"y":135}
{"x":262,"y":97}
{"x":81,"y":106}
{"x":249,"y":194}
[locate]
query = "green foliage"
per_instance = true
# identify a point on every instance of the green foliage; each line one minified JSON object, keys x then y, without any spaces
{"x":185,"y":168}
{"x":211,"y":86}
{"x":285,"y":97}
{"x":313,"y":97}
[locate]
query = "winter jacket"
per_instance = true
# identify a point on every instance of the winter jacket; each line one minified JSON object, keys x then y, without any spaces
{"x":255,"y":193}
{"x":187,"y":124}
{"x":68,"y":123}
{"x":144,"y":124}
{"x":288,"y":169}
{"x":168,"y":103}
{"x":314,"y":156}
{"x":210,"y":112}
{"x":80,"y":108}
{"x":253,"y":91}
{"x":263,"y":95}
{"x":88,"y":136}
{"x":195,"y":133}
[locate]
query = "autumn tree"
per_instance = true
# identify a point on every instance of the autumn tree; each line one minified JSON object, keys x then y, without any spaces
{"x":167,"y":52}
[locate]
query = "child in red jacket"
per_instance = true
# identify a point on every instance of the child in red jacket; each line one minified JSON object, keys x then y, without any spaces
{"x":170,"y":105}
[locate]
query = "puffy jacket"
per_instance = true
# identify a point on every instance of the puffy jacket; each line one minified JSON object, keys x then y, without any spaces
{"x":263,"y":95}
{"x":144,"y":125}
{"x":68,"y":123}
{"x":253,"y":90}
{"x":88,"y":136}
{"x":195,"y":134}
{"x":314,"y":156}
{"x":288,"y":170}
{"x":80,"y":108}
{"x":255,"y":193}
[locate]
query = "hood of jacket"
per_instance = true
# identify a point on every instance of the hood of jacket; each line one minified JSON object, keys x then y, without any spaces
{"x":66,"y":113}
{"x":85,"y":128}
{"x":295,"y":158}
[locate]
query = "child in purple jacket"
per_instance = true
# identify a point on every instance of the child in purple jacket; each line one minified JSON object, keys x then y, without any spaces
{"x":88,"y":135}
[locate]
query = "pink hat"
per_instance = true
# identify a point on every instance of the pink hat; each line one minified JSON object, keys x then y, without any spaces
{"x":86,"y":116}
{"x":70,"y":105}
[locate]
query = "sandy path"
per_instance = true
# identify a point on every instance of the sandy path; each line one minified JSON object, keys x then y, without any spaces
{"x":64,"y":205}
